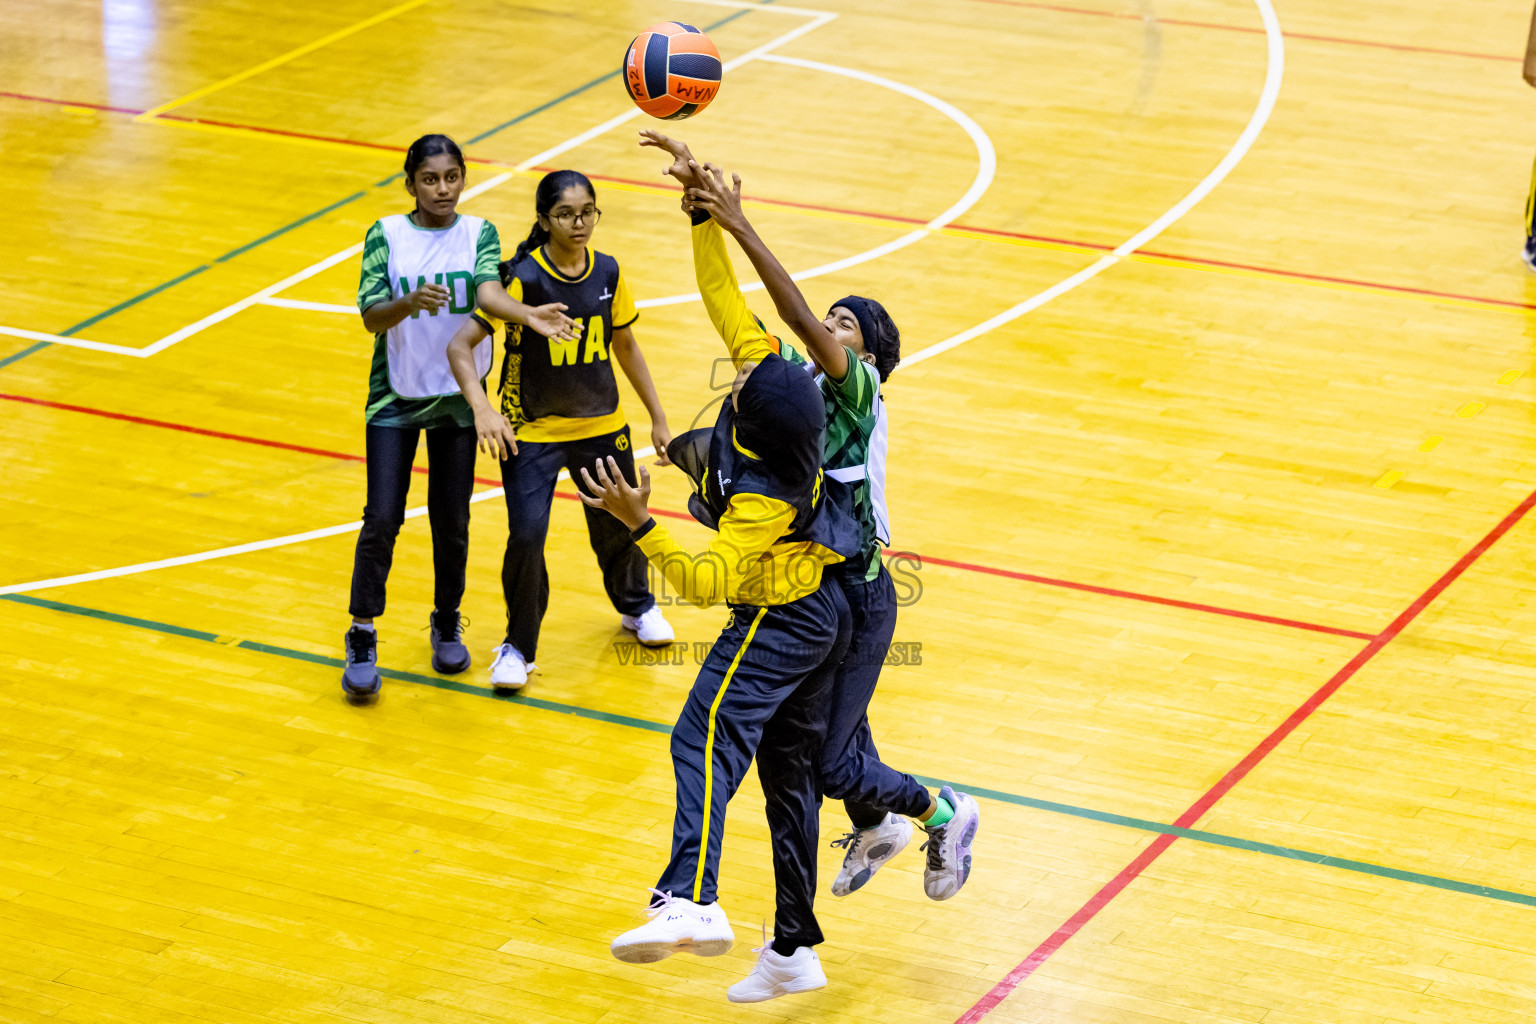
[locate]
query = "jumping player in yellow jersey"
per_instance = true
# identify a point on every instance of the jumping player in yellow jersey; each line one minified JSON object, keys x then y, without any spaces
{"x":853,"y":350}
{"x":560,"y":410}
{"x":762,"y":690}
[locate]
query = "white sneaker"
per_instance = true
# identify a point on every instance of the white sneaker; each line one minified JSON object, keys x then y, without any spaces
{"x":651,"y":628}
{"x":868,"y":851}
{"x":774,"y":975}
{"x":509,"y":672}
{"x":949,"y":847}
{"x":676,"y":926}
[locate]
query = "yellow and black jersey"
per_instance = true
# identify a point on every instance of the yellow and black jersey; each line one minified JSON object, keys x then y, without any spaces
{"x":564,"y":390}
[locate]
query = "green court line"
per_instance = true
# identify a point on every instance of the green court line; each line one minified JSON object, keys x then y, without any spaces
{"x":14,"y":356}
{"x":321,"y":659}
{"x":156,"y":290}
{"x":1140,"y":824}
{"x":1250,"y":845}
{"x":264,"y":239}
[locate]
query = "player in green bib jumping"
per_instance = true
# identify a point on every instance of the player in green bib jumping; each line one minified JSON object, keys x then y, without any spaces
{"x":853,"y":349}
{"x":423,"y":275}
{"x":559,"y":410}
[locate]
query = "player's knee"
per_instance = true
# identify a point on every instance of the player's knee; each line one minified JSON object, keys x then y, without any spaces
{"x":839,"y":777}
{"x":523,"y":533}
{"x":384,"y":523}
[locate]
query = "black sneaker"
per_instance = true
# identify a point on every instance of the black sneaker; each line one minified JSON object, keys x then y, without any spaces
{"x":449,"y":655}
{"x":360,"y":679}
{"x":1528,"y":254}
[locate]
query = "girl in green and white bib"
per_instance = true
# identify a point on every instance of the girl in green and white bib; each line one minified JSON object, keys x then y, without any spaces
{"x":424,"y":274}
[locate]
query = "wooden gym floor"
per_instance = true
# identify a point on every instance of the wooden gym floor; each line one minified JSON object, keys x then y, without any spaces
{"x":1214,"y":441}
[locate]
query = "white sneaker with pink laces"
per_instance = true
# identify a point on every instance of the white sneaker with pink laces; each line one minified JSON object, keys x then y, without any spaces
{"x":676,"y":926}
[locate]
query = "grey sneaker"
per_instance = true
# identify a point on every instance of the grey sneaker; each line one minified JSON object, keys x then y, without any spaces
{"x":869,"y":849}
{"x":949,"y":847}
{"x":449,"y":655}
{"x":360,"y":679}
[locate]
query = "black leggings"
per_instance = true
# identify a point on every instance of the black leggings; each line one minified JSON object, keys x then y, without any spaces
{"x":529,"y":478}
{"x":451,"y":458}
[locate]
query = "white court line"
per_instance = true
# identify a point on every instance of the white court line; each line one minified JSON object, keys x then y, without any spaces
{"x":818,"y":19}
{"x":256,"y":545}
{"x":313,"y":307}
{"x":986,"y":156}
{"x":1261,"y":112}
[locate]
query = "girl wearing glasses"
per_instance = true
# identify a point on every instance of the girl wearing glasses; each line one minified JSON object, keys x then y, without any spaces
{"x":562,"y":400}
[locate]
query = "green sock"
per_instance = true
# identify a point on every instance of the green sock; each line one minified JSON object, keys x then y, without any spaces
{"x":942,"y":815}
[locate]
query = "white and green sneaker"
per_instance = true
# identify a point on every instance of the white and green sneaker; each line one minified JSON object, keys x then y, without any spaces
{"x":949,"y":847}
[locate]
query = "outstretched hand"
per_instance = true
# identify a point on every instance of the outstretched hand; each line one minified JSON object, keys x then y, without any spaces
{"x":682,"y":164}
{"x":723,"y":202}
{"x":550,"y":320}
{"x":610,"y":491}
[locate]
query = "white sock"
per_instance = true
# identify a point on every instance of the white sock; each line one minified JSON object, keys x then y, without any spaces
{"x":363,"y":625}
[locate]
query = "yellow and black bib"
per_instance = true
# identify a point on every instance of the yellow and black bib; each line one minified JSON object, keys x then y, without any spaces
{"x":567,"y":379}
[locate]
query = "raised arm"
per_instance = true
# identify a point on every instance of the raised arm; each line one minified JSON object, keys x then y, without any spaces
{"x":723,"y":203}
{"x":744,"y":335}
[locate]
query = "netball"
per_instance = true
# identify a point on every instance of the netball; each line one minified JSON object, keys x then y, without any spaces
{"x":672,"y":71}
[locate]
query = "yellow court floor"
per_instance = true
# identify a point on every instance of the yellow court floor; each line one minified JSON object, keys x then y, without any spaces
{"x":1212,"y":463}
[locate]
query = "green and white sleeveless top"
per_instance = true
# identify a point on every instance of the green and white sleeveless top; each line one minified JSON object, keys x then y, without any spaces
{"x":411,"y":383}
{"x":853,"y":450}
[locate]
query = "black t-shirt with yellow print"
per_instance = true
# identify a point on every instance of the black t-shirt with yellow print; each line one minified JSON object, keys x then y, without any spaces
{"x":564,"y":390}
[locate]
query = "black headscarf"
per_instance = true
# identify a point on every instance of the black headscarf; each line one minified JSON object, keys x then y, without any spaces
{"x":861,"y":309}
{"x":780,"y":417}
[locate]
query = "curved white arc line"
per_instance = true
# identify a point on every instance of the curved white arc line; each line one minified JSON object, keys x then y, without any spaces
{"x":985,"y":152}
{"x":241,"y":549}
{"x":1261,"y":113}
{"x":986,"y":170}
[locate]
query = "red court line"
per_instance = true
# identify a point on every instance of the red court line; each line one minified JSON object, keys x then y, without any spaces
{"x":287,"y":133}
{"x":66,"y":103}
{"x":1110,"y":890}
{"x":1148,"y":598}
{"x":1303,"y":276}
{"x":1252,"y":30}
{"x":145,"y":421}
{"x":667,"y":513}
{"x":1296,"y":275}
{"x":283,"y":132}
